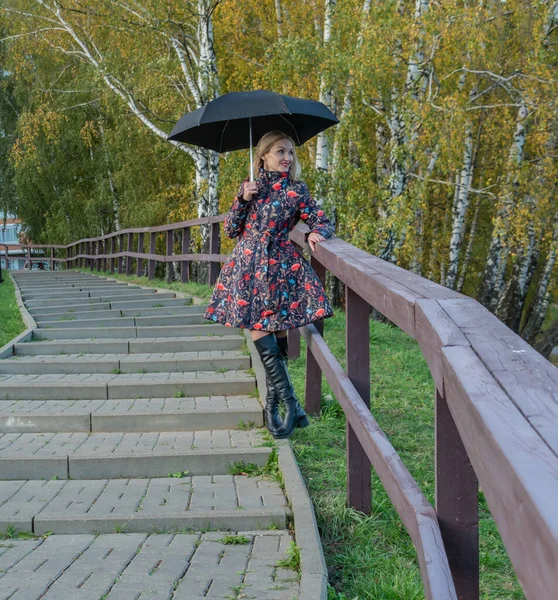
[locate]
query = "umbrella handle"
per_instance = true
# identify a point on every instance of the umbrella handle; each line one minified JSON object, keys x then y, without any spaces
{"x":251,"y":159}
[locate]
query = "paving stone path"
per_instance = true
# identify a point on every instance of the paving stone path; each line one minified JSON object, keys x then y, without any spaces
{"x":124,"y":425}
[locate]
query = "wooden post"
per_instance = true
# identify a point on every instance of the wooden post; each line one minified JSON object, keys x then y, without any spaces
{"x":129,"y":246}
{"x":152,"y":250}
{"x":29,"y":257}
{"x":313,"y":392}
{"x":112,"y":252}
{"x":357,"y":360}
{"x":103,"y":246}
{"x":120,"y":250}
{"x":168,"y":253}
{"x":294,"y":343}
{"x":139,"y":262}
{"x":185,"y":264}
{"x":214,"y":267}
{"x":52,"y":259}
{"x":68,"y":254}
{"x":457,"y":503}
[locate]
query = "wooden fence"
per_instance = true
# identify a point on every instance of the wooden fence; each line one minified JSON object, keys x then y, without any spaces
{"x":496,"y":406}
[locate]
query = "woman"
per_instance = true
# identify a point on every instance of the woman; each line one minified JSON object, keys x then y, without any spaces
{"x":266,"y":285}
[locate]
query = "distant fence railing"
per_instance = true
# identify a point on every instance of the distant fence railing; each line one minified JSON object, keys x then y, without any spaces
{"x":124,"y":250}
{"x":496,"y":408}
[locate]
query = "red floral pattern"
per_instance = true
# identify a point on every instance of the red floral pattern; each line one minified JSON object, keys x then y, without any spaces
{"x":265,"y":283}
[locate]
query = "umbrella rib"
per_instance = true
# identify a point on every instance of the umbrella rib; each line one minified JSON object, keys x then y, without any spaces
{"x":222,"y":134}
{"x":293,"y":128}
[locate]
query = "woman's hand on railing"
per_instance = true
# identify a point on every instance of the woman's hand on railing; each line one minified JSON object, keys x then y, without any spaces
{"x":313,"y":238}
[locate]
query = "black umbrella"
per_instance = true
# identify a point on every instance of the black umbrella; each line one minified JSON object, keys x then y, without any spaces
{"x":239,"y":119}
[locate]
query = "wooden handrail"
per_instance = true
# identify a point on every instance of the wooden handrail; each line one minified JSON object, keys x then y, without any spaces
{"x":496,"y":402}
{"x":496,"y":420}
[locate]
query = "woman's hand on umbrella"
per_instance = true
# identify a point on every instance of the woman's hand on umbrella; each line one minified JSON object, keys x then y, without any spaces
{"x":250,"y":189}
{"x":313,"y":238}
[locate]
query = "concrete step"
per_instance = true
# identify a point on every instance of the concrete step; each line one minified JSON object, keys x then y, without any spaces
{"x":119,"y":321}
{"x":130,"y":415}
{"x":86,"y":333}
{"x":136,"y":346}
{"x":127,"y":385}
{"x":142,"y":505}
{"x":124,"y":291}
{"x":73,"y":323}
{"x":68,"y":310}
{"x":167,"y":362}
{"x":127,"y":455}
{"x":106,"y":313}
{"x":71,"y":293}
{"x":163,"y":310}
{"x":174,"y":320}
{"x":82,"y":315}
{"x":58,"y":304}
{"x":38,"y":293}
{"x":112,"y":332}
{"x":117,"y":296}
{"x":157,"y":302}
{"x":139,"y":566}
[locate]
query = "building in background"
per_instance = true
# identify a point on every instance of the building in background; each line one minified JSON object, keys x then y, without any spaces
{"x":10,"y":228}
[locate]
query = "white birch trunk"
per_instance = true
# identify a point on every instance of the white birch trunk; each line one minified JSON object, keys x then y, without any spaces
{"x":279,"y":19}
{"x":542,"y":299}
{"x":400,"y":143}
{"x":469,"y":250}
{"x":382,"y":167}
{"x":462,"y":204}
{"x":347,"y":101}
{"x":552,"y":22}
{"x":113,"y":191}
{"x":511,"y":303}
{"x":207,"y":164}
{"x":322,"y":141}
{"x":498,"y":251}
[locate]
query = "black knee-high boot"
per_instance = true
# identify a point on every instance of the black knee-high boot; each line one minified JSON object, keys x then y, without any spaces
{"x":283,"y":344}
{"x":276,"y":370}
{"x":273,"y":420}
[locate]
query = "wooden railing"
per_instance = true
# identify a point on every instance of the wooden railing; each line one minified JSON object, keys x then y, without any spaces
{"x":115,"y":251}
{"x":496,"y":409}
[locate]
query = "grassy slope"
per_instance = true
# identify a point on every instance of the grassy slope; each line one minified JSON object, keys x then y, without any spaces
{"x":373,"y":557}
{"x":11,"y":323}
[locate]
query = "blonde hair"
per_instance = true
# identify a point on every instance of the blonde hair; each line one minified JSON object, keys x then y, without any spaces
{"x":264,"y":146}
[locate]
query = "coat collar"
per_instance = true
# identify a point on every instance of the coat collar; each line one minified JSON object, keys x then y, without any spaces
{"x":271,"y":177}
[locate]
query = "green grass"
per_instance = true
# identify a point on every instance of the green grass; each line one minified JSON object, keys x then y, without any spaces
{"x":372,"y":557}
{"x":292,"y":561}
{"x":200,"y":290}
{"x":11,"y":323}
{"x":234,"y":540}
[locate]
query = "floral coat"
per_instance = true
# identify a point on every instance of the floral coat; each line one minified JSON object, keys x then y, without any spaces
{"x":266,"y":284}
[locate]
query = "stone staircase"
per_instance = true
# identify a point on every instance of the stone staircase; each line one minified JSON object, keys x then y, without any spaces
{"x":130,"y":432}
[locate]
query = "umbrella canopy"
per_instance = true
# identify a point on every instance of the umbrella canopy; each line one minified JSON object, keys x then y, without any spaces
{"x":239,"y":119}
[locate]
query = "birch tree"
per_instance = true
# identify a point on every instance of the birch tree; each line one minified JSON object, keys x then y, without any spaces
{"x":81,"y":34}
{"x":499,"y":250}
{"x":322,"y":141}
{"x":542,"y":298}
